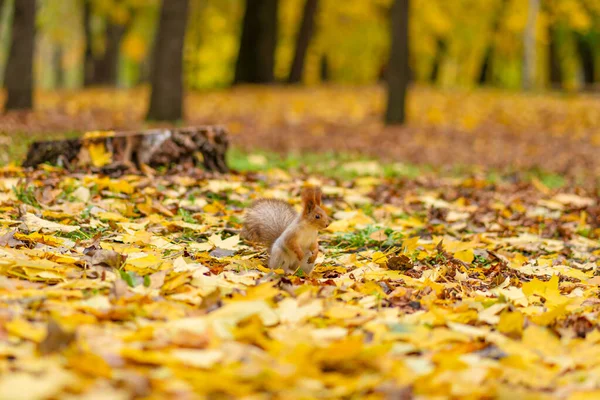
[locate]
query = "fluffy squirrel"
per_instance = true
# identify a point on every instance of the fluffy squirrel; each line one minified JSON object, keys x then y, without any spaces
{"x":292,"y":238}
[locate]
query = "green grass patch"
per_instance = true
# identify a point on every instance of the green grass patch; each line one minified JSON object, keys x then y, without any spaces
{"x":361,"y":239}
{"x":25,"y":193}
{"x":350,"y":166}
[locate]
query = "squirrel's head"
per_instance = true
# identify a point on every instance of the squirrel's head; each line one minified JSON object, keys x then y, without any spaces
{"x":312,"y":211}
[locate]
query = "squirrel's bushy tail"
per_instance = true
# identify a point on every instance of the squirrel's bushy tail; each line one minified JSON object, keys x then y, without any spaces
{"x":266,"y":219}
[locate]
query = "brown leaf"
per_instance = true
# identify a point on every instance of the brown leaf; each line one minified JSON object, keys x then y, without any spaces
{"x":119,"y":289}
{"x":379,"y":235}
{"x":9,"y":240}
{"x":400,"y":263}
{"x":157,"y":279}
{"x":105,"y":258}
{"x":56,"y":338}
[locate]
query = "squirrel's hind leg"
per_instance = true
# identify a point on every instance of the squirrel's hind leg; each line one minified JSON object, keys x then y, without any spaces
{"x":278,"y":259}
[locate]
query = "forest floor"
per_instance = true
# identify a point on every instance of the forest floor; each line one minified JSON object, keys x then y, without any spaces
{"x":556,"y":132}
{"x":431,"y":281}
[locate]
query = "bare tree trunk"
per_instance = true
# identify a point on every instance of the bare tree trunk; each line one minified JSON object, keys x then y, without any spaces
{"x":324,"y":69}
{"x":529,"y":53}
{"x":305,"y":34}
{"x":59,"y":76}
{"x":486,"y":73}
{"x":398,"y":71}
{"x":1,"y":8}
{"x":586,"y":54}
{"x":88,"y":62}
{"x":437,"y":61}
{"x":2,"y":11}
{"x":102,"y":70}
{"x":166,"y":101}
{"x":256,"y":57}
{"x":106,"y":67}
{"x":554,"y":67}
{"x":19,"y":70}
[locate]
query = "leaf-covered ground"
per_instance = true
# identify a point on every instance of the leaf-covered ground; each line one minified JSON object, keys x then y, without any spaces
{"x":555,"y":131}
{"x":139,"y":287}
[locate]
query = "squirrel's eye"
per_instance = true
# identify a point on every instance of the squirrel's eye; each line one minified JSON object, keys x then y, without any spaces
{"x":317,"y":216}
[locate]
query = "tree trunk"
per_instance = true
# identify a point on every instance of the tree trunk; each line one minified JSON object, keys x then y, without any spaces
{"x":486,"y":66}
{"x":166,"y":101}
{"x":437,"y":61}
{"x":586,"y":54}
{"x":19,"y":69}
{"x":88,"y":62}
{"x":256,"y":57}
{"x":2,"y":11}
{"x":101,"y":70}
{"x":324,"y":69}
{"x":2,"y":8}
{"x":529,"y":53}
{"x":486,"y":73}
{"x":106,"y":67}
{"x":59,"y":76}
{"x":398,"y":70}
{"x":554,"y":67}
{"x":303,"y":40}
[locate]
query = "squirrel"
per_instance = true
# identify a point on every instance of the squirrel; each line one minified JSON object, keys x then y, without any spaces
{"x":292,"y":238}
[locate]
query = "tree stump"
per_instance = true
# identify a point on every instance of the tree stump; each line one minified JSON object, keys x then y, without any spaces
{"x":116,"y":149}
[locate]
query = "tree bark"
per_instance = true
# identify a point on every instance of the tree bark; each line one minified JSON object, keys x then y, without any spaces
{"x":1,"y":8}
{"x":529,"y":53}
{"x":19,"y":69}
{"x":486,"y":73}
{"x":437,"y":61}
{"x":305,"y":34}
{"x":106,"y":67}
{"x":166,"y":101}
{"x":59,"y":76}
{"x":586,"y":54}
{"x":256,"y":56}
{"x":398,"y":71}
{"x":89,"y":61}
{"x":324,"y":69}
{"x":103,"y":69}
{"x":554,"y":66}
{"x":2,"y":11}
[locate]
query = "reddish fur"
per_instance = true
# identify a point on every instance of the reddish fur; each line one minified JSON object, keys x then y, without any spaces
{"x":289,"y":237}
{"x":311,"y":198}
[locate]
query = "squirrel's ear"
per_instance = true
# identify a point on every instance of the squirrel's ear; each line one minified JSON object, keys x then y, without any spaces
{"x":318,"y":195}
{"x":308,"y":198}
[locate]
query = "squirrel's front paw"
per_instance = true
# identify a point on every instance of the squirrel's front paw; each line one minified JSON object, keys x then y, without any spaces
{"x":306,"y":257}
{"x":306,"y":265}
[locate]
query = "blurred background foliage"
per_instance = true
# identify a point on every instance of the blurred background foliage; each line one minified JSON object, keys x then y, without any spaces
{"x":458,"y":43}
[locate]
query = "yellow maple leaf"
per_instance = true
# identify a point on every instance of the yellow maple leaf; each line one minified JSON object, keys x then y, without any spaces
{"x":511,"y":323}
{"x":547,"y":290}
{"x":379,"y":257}
{"x":23,"y":329}
{"x":231,"y":243}
{"x":466,"y":256}
{"x":410,"y":245}
{"x":99,"y":155}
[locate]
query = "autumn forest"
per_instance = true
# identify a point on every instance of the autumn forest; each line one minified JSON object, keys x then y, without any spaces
{"x":298,"y":199}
